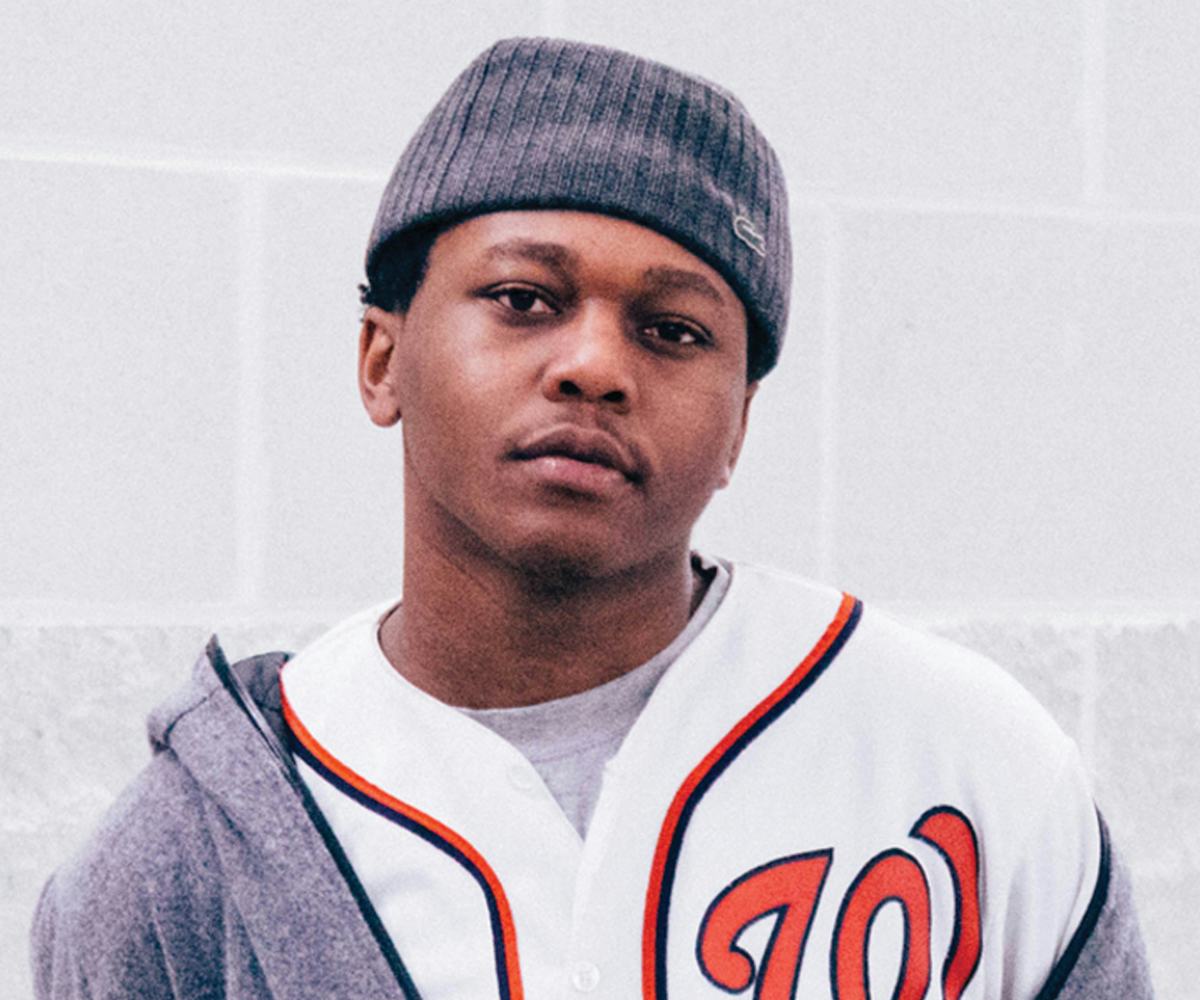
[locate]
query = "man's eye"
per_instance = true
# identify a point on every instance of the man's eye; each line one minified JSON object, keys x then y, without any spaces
{"x":675,"y":332}
{"x":522,"y":300}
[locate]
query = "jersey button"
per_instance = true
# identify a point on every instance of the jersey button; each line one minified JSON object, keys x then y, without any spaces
{"x":521,"y":778}
{"x":585,"y":977}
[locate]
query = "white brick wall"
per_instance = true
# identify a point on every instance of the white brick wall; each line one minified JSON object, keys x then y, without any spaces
{"x":985,"y":414}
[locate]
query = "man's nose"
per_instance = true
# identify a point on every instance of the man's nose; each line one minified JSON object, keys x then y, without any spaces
{"x":592,"y":361}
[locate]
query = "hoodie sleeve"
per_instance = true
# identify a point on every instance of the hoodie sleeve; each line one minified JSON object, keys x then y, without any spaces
{"x":139,"y":912}
{"x":84,"y":953}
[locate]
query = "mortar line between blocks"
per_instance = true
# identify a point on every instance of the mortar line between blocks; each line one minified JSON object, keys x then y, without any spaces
{"x":827,"y":496}
{"x":252,"y":479}
{"x":799,"y":199}
{"x":967,"y":206}
{"x":170,"y":161}
{"x":1092,"y":109}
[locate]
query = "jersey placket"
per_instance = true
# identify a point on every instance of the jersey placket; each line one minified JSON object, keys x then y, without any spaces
{"x":466,"y":826}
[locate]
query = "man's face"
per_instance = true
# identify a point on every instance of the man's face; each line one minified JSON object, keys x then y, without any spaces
{"x":572,"y":389}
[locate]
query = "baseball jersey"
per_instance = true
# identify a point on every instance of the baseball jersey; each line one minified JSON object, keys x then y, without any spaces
{"x":816,"y":801}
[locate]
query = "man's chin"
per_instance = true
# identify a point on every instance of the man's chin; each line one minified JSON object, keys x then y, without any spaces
{"x":561,"y":566}
{"x":558,"y":556}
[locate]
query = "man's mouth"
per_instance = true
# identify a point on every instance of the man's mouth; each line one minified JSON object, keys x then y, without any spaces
{"x":580,"y":456}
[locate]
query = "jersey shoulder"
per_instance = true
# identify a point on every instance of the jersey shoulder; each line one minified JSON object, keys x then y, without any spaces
{"x":904,"y":679}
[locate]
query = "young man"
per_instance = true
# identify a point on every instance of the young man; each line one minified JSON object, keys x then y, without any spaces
{"x":578,"y":757}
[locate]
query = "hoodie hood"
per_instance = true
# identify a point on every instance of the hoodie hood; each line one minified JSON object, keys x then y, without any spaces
{"x":279,"y":864}
{"x":256,"y":679}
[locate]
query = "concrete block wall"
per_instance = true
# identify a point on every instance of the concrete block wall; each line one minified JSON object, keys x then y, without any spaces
{"x":985,"y":417}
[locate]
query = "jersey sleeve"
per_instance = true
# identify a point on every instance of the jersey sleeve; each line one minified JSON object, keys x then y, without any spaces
{"x":1106,"y":957}
{"x":1070,"y":902}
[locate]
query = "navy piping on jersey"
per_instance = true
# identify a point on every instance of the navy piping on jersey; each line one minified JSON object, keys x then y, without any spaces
{"x":1062,"y":968}
{"x":430,"y":837}
{"x":230,"y":677}
{"x":715,"y":771}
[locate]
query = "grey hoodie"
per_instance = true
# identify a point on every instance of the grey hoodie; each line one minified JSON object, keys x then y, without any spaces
{"x":215,"y":876}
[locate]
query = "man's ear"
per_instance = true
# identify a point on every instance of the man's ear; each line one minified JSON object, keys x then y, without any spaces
{"x":736,"y":449}
{"x":377,"y":345}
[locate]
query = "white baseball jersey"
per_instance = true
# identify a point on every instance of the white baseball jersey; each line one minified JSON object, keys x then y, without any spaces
{"x":816,"y":802}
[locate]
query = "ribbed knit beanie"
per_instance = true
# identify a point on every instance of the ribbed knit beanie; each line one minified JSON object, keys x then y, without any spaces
{"x":547,"y":123}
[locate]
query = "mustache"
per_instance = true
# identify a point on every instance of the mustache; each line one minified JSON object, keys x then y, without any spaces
{"x":584,"y":444}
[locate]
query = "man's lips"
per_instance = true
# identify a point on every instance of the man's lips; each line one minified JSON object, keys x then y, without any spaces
{"x":581,"y":444}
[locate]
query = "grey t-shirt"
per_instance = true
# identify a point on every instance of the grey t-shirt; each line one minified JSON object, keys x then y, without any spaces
{"x":569,"y":740}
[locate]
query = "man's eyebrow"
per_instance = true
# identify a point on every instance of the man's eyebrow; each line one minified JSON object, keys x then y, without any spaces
{"x":674,"y":278}
{"x":552,"y":255}
{"x":565,"y":260}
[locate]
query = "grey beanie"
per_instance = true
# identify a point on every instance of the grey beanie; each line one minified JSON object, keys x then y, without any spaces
{"x":547,"y":123}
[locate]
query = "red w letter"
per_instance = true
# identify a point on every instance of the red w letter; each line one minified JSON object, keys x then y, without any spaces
{"x":788,"y":887}
{"x":892,"y":875}
{"x":951,"y":833}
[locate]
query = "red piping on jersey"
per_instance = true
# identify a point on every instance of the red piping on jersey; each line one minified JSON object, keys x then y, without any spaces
{"x":411,"y":816}
{"x":666,"y":851}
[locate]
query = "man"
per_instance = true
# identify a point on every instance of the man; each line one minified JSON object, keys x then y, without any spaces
{"x":577,"y":757}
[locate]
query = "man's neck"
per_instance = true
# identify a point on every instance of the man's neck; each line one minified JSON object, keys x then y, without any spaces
{"x":480,"y":633}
